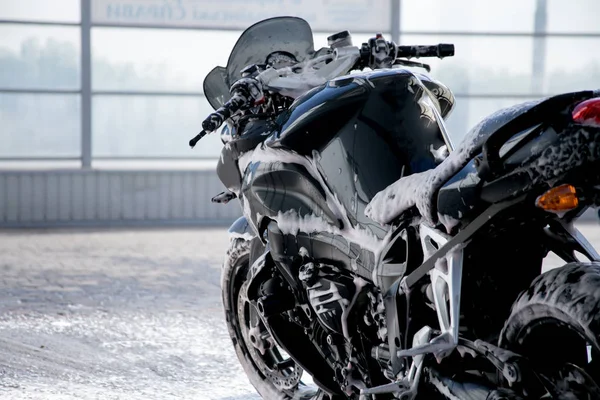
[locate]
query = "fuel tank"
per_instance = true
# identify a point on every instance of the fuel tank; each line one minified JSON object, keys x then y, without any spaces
{"x":361,"y":133}
{"x":366,"y":131}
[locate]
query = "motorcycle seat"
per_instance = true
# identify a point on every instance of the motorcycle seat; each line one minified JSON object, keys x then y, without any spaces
{"x":421,"y":189}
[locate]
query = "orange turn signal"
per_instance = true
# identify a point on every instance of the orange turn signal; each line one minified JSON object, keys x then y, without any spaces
{"x":560,"y":198}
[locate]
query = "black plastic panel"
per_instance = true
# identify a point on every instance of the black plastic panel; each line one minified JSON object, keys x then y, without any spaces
{"x":227,"y":170}
{"x":459,"y":197}
{"x":274,"y":187}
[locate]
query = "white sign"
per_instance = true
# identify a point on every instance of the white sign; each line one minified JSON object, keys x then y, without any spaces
{"x":366,"y":16}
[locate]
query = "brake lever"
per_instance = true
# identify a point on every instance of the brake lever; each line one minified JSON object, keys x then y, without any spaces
{"x":409,"y":63}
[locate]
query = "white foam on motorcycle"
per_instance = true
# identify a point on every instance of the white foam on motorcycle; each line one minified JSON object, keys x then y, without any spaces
{"x":419,"y":189}
{"x":290,"y":222}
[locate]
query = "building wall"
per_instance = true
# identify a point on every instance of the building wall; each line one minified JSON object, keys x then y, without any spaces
{"x":117,"y":198}
{"x":111,"y":198}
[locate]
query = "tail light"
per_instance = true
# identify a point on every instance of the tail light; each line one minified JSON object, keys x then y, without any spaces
{"x":558,"y":199}
{"x":588,"y":112}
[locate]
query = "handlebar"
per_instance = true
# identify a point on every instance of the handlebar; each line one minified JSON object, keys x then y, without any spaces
{"x":378,"y":53}
{"x":238,"y":100}
{"x":440,"y":50}
{"x":216,"y":119}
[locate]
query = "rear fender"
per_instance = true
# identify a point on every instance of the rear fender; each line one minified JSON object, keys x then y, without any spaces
{"x":564,"y":239}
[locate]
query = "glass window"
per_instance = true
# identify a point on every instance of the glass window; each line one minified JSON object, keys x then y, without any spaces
{"x":39,"y":57}
{"x":157,"y":60}
{"x":165,"y":60}
{"x":572,"y":64}
{"x":467,"y":15}
{"x":40,"y":125}
{"x":41,"y":10}
{"x":573,"y":16}
{"x":146,"y":126}
{"x":482,"y":64}
{"x":468,"y":112}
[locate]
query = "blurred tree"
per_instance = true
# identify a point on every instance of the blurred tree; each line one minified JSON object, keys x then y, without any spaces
{"x":45,"y":124}
{"x":581,"y":77}
{"x":52,"y":65}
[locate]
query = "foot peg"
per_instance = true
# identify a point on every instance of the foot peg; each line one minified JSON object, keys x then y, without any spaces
{"x":405,"y":389}
{"x":439,"y":346}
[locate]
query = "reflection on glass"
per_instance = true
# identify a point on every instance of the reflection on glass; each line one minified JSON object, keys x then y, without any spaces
{"x":157,"y":60}
{"x":468,"y":15}
{"x":39,"y":125}
{"x":39,"y":57}
{"x":146,"y":126}
{"x":41,"y":10}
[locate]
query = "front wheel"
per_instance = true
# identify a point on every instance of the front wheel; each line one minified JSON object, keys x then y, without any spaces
{"x":555,"y":324}
{"x":273,"y":373}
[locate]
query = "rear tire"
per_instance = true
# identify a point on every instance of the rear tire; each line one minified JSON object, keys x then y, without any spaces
{"x":556,"y":323}
{"x":234,"y":273}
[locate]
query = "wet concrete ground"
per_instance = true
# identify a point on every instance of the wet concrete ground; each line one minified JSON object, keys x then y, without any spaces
{"x":115,"y":314}
{"x":118,"y":314}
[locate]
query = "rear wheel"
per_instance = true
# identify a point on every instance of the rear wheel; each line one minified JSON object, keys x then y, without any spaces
{"x":270,"y":370}
{"x":555,"y":324}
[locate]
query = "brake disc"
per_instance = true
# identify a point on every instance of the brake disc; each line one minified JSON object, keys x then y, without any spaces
{"x":269,"y":359}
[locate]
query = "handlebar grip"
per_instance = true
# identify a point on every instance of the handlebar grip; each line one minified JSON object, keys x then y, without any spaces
{"x":242,"y":93}
{"x":197,"y":138}
{"x":216,"y":119}
{"x":441,"y":50}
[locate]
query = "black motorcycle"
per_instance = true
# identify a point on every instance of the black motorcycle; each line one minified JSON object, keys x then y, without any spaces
{"x":380,"y":260}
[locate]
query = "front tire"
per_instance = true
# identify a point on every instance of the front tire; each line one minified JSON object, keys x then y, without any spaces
{"x":233,"y":277}
{"x":556,"y":325}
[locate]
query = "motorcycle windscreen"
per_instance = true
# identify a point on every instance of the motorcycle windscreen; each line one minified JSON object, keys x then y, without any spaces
{"x":281,"y":34}
{"x":215,"y":87}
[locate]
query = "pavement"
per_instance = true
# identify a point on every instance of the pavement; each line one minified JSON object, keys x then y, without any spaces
{"x":115,"y":314}
{"x":119,"y":314}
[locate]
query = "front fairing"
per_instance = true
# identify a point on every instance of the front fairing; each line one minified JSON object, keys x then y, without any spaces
{"x":290,"y":35}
